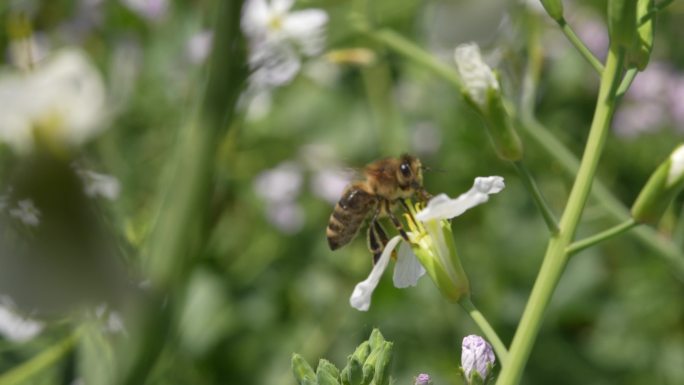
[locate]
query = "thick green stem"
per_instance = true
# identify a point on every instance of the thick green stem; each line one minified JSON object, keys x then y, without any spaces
{"x":556,"y":257}
{"x":486,"y":329}
{"x":578,"y":246}
{"x":23,"y":373}
{"x":577,"y":42}
{"x":531,"y":185}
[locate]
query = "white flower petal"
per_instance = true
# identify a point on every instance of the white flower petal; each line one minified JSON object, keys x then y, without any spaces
{"x":408,"y":269}
{"x":441,"y":207}
{"x":16,"y":328}
{"x":255,"y":16}
{"x":275,"y":65}
{"x":306,"y":28}
{"x":361,"y":297}
{"x":281,"y":6}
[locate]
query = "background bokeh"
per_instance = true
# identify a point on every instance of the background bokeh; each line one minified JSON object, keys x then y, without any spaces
{"x":264,"y":284}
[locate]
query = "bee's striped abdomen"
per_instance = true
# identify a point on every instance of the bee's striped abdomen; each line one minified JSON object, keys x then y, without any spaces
{"x":348,"y":215}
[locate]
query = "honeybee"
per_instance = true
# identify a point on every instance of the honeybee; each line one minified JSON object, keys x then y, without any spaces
{"x":387,"y":181}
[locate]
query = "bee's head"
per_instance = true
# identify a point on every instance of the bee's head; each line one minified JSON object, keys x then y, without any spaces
{"x":410,"y":172}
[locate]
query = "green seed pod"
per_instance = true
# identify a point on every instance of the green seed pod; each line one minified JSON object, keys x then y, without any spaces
{"x":554,"y":8}
{"x":382,"y":365}
{"x":640,"y":53}
{"x":622,"y":22}
{"x":302,"y":371}
{"x":327,"y":373}
{"x":662,"y":187}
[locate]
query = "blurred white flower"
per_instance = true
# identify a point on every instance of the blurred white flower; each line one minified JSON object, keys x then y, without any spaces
{"x":96,"y":184}
{"x":153,"y":10}
{"x":277,"y":35}
{"x":279,"y":187}
{"x":16,"y":328}
{"x":198,"y":47}
{"x":27,"y":212}
{"x":279,"y":184}
{"x":287,"y":217}
{"x":425,"y":138}
{"x":429,"y":240}
{"x":475,"y":74}
{"x":64,"y":96}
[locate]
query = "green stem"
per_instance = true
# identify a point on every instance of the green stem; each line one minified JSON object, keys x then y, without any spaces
{"x":408,"y":49}
{"x":578,"y":246}
{"x":486,"y":329}
{"x":24,"y":372}
{"x":531,"y":185}
{"x":556,"y":257}
{"x":577,"y":42}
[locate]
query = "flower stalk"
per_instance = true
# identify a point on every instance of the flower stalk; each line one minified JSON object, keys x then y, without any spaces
{"x":556,"y":255}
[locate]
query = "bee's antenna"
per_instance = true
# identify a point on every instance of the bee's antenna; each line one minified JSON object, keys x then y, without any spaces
{"x":427,"y":168}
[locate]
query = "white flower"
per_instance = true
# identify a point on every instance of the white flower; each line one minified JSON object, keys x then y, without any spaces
{"x":16,"y":328}
{"x":96,"y":184}
{"x":477,"y":356}
{"x":408,"y":269}
{"x":26,"y":212}
{"x":476,"y":75}
{"x":64,"y":96}
{"x":275,"y":36}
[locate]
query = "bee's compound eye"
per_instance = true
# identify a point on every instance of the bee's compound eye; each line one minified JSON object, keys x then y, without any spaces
{"x":405,"y":170}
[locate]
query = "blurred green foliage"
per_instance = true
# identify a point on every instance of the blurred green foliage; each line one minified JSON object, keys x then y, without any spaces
{"x":255,"y":291}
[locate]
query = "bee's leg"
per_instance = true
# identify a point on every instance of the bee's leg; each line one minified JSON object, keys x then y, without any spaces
{"x":374,"y":244}
{"x":395,"y":220}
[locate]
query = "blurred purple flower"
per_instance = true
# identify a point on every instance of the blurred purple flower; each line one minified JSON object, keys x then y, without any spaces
{"x":198,"y":46}
{"x":328,"y":184}
{"x":593,"y":32}
{"x":634,"y":119}
{"x":423,"y":379}
{"x":153,"y":10}
{"x":675,"y":99}
{"x":476,"y":356}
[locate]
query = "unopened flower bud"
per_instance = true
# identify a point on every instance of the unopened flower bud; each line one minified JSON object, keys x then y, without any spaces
{"x":382,"y":365}
{"x":554,"y":8}
{"x":302,"y":371}
{"x":327,"y":373}
{"x":482,"y":91}
{"x":622,"y":22}
{"x":477,"y":358}
{"x":662,"y":187}
{"x":423,"y":379}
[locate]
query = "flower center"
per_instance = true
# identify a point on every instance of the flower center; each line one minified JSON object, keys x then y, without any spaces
{"x":276,"y":23}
